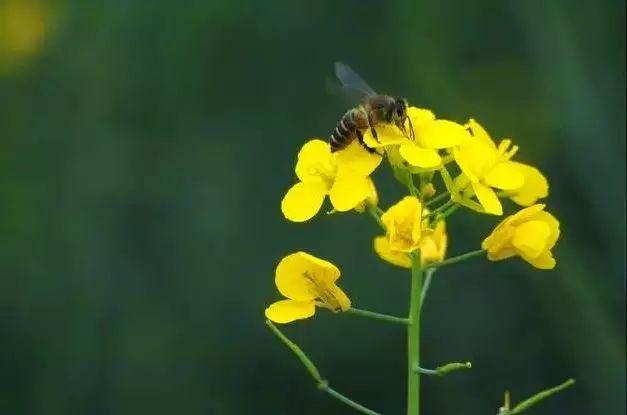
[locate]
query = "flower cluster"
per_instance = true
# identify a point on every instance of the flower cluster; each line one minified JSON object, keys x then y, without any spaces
{"x":471,"y":171}
{"x":476,"y":173}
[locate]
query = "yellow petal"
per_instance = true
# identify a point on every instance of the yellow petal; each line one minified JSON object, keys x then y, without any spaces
{"x":531,"y":237}
{"x":498,"y":240}
{"x":357,"y":159}
{"x":474,"y":158}
{"x":382,"y":248}
{"x":314,"y":161}
{"x":299,"y":275}
{"x":523,"y":215}
{"x":349,"y":190}
{"x":419,"y":116}
{"x":428,"y":250}
{"x":286,"y":311}
{"x":420,"y":157}
{"x":315,"y":150}
{"x":442,"y":134}
{"x":303,"y":201}
{"x":505,"y":175}
{"x":544,"y":261}
{"x":335,"y":298}
{"x":481,"y":134}
{"x":387,"y":135}
{"x":501,"y":254}
{"x":433,"y":246}
{"x":488,"y":199}
{"x":535,"y":185}
{"x":373,"y":197}
{"x":553,"y":225}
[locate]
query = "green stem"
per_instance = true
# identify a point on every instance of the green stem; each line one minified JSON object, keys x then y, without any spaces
{"x":423,"y":183}
{"x":322,"y":384}
{"x":448,"y":182}
{"x":413,"y":338}
{"x":428,"y":372}
{"x":377,"y":316}
{"x":456,"y":259}
{"x":376,"y":213}
{"x":437,"y":199}
{"x":538,"y":397}
{"x":440,"y":209}
{"x":348,"y":402}
{"x":311,"y":368}
{"x":447,"y":212}
{"x":425,"y":286}
{"x":445,"y":369}
{"x":413,"y":190}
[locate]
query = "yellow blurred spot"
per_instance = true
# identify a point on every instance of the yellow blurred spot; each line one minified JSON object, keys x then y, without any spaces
{"x":23,"y":28}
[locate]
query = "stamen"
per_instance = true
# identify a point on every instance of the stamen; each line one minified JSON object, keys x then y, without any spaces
{"x":323,"y":292}
{"x":323,"y":171}
{"x":505,"y":151}
{"x":512,"y":152}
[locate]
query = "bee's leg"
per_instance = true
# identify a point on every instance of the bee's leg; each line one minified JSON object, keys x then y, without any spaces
{"x":372,"y":130}
{"x":401,"y":126}
{"x":360,"y":138}
{"x":412,"y":135}
{"x":374,"y":133}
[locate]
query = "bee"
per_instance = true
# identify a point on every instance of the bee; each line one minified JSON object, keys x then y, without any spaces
{"x":374,"y":109}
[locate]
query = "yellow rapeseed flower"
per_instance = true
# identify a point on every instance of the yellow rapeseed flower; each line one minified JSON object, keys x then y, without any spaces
{"x":431,"y":134}
{"x":486,"y":166}
{"x":530,"y":233}
{"x":303,"y":279}
{"x":433,"y":244}
{"x":343,"y":176}
{"x":403,"y":224}
{"x":403,"y":230}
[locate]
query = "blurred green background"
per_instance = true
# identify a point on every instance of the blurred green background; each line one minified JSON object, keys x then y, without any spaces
{"x":145,"y":147}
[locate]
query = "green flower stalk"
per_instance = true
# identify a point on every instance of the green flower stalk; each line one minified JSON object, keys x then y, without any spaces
{"x":413,"y":338}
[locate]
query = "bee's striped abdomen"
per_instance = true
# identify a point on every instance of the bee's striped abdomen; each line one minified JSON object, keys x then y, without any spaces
{"x":344,"y":133}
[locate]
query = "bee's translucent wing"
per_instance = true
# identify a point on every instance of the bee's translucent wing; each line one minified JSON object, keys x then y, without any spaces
{"x":347,"y":97}
{"x":351,"y":80}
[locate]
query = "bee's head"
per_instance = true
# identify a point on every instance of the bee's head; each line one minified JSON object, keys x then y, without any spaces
{"x":400,"y":115}
{"x":400,"y":109}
